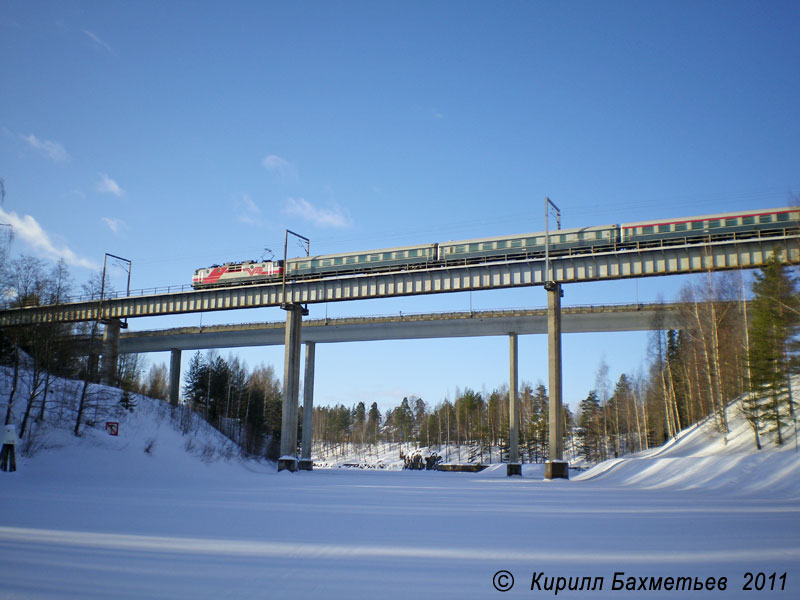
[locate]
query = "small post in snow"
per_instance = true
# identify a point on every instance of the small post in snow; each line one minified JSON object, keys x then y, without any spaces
{"x":8,"y":460}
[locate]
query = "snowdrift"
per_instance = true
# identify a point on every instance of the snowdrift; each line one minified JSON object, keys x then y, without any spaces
{"x":699,"y":458}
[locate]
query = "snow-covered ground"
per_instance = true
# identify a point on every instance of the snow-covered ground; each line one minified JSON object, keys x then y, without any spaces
{"x":100,"y":517}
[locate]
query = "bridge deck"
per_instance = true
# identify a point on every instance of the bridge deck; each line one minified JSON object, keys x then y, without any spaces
{"x":673,"y":259}
{"x":576,"y":319}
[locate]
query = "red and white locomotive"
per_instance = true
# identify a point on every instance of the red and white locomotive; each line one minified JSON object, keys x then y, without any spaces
{"x":237,"y":273}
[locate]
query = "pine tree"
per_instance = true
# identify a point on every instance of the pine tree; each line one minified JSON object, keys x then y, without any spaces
{"x":127,"y":401}
{"x":591,"y":428}
{"x":773,"y":324}
{"x":373,"y":423}
{"x":195,"y":387}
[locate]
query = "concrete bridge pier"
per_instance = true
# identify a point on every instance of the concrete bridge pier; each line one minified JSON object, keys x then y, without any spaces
{"x":291,"y":388}
{"x":174,"y":376}
{"x":110,"y":351}
{"x":555,"y":468}
{"x":305,"y":463}
{"x":513,"y":467}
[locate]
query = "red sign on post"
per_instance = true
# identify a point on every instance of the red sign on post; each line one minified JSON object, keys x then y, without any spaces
{"x":112,"y":427}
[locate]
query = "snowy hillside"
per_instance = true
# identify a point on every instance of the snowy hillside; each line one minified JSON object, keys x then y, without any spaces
{"x":698,"y":458}
{"x":154,"y":441}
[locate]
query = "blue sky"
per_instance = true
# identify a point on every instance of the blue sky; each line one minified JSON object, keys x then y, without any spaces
{"x":183,"y":134}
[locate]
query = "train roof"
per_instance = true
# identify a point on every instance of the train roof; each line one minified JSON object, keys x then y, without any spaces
{"x":360,"y":252}
{"x":728,"y":215}
{"x":527,"y":235}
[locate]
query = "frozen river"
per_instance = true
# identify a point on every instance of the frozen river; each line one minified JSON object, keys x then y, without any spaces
{"x":231,"y":533}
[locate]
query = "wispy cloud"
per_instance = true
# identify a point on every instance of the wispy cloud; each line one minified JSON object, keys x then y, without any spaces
{"x":281,"y":166}
{"x":97,"y":41}
{"x":247,"y":210}
{"x":113,"y":224}
{"x":49,"y":149}
{"x":106,"y":185}
{"x":321,"y":217}
{"x":27,"y":229}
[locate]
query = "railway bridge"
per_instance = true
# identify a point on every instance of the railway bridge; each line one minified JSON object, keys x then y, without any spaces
{"x":743,"y":247}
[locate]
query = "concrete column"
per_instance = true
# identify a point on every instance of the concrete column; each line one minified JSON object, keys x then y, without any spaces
{"x":110,"y":351}
{"x":305,"y":463}
{"x":291,"y":388}
{"x":555,"y":468}
{"x":175,"y":377}
{"x":514,"y":467}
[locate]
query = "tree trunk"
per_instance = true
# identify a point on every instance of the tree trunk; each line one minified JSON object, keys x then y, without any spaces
{"x":14,"y":382}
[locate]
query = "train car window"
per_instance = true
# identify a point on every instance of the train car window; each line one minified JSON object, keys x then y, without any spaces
{"x":648,"y":229}
{"x":501,"y":245}
{"x":412,"y":253}
{"x":697,"y":225}
{"x":460,"y":249}
{"x":487,"y":246}
{"x":516,"y":243}
{"x":664,"y":228}
{"x":680,"y":227}
{"x":326,"y":262}
{"x":748,"y":220}
{"x":350,"y":260}
{"x":387,"y":256}
{"x":714,"y":223}
{"x":563,"y":238}
{"x":783,"y":216}
{"x":765,"y":219}
{"x":314,"y":264}
{"x":473,"y":247}
{"x":731,"y":222}
{"x":338,"y":261}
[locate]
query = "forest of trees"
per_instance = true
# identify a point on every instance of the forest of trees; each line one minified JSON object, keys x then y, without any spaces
{"x":726,"y":347}
{"x":474,"y":427}
{"x":244,"y":405}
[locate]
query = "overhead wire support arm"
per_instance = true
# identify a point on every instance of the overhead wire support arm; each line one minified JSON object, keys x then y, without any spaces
{"x":286,"y":305}
{"x":129,"y":265}
{"x":548,"y":205}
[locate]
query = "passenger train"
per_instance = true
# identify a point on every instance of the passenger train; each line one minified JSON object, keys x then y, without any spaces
{"x":515,"y":247}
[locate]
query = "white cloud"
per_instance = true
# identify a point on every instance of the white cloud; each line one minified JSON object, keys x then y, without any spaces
{"x":248,"y":211}
{"x":281,"y":166}
{"x":321,"y":217}
{"x":52,"y":150}
{"x":113,"y":224}
{"x":26,"y":228}
{"x":106,"y":185}
{"x":98,"y":42}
